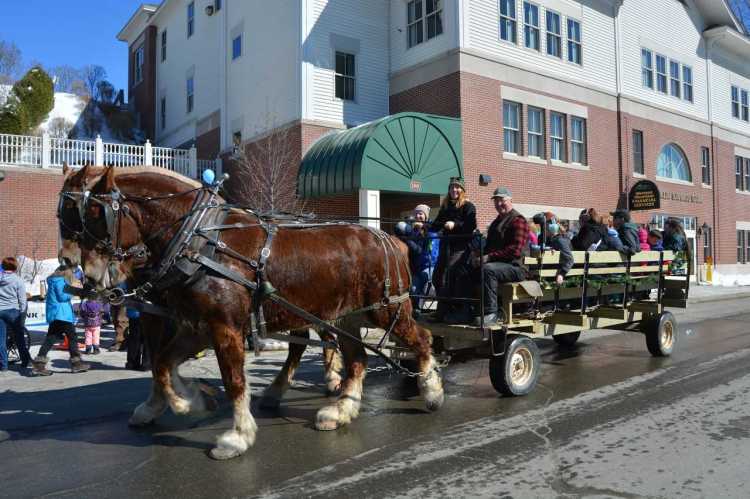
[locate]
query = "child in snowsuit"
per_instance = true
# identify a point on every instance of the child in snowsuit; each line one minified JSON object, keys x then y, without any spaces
{"x":91,"y":313}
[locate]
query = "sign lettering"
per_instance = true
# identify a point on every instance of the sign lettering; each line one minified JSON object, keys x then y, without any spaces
{"x":644,"y":195}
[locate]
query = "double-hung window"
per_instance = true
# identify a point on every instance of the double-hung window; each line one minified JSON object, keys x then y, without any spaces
{"x":574,"y":41}
{"x":674,"y":79}
{"x":345,"y":76}
{"x":687,"y":83}
{"x":661,"y":73}
{"x":434,"y":13}
{"x":190,"y":19}
{"x":190,"y":94}
{"x":747,"y":174}
{"x":707,"y":244}
{"x":536,"y":132}
{"x":557,"y":134}
{"x":647,"y":68}
{"x":638,"y":152}
{"x":705,"y":165}
{"x":415,"y":20}
{"x":577,"y":140}
{"x":745,"y":117}
{"x":531,"y":26}
{"x":508,"y":20}
{"x":511,"y":127}
{"x":163,"y":45}
{"x":743,"y":246}
{"x":554,"y":36}
{"x":139,"y":57}
{"x":735,"y":102}
{"x":739,"y":163}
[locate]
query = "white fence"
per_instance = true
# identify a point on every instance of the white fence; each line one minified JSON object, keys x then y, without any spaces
{"x":50,"y":152}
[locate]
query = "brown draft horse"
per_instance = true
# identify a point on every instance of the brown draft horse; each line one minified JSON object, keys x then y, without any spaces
{"x":157,"y":333}
{"x":328,"y":271}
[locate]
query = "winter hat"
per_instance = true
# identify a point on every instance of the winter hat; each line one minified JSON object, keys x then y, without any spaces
{"x":424,"y":209}
{"x":457,"y":181}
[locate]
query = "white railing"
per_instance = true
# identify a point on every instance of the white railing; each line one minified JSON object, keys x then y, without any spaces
{"x":51,"y":152}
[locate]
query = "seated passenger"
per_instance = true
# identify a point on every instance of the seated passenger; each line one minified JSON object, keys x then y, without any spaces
{"x":506,"y":247}
{"x":553,"y":236}
{"x":423,"y":252}
{"x":627,"y":231}
{"x":592,"y":234}
{"x":654,"y":240}
{"x":643,"y":238}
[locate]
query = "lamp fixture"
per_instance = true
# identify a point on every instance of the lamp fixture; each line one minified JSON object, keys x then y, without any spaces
{"x":209,"y":10}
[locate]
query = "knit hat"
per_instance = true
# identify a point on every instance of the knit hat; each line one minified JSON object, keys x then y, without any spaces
{"x":457,"y":181}
{"x":424,"y":209}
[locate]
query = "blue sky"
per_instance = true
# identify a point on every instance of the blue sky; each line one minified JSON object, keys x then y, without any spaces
{"x":72,"y":32}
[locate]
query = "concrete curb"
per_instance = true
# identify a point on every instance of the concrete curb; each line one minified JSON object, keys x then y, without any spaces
{"x":719,"y":297}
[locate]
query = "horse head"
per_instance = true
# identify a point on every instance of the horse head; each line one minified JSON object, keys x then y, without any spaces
{"x":69,"y":213}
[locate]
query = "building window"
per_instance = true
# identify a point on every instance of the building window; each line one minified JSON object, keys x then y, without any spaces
{"x":747,"y":174}
{"x":673,"y":164}
{"x":345,"y":76}
{"x":163,"y":112}
{"x":577,"y":140}
{"x":557,"y":134}
{"x":554,"y":38}
{"x":661,"y":73}
{"x":163,"y":45}
{"x":139,"y":55}
{"x":574,"y":41}
{"x":190,"y":96}
{"x":434,"y":13}
{"x":687,"y":83}
{"x":707,"y":244}
{"x":190,"y":19}
{"x":742,"y":256}
{"x":217,"y":4}
{"x":638,"y":152}
{"x":735,"y":102}
{"x":647,"y":68}
{"x":530,"y":26}
{"x":744,"y":105}
{"x":511,"y":127}
{"x":236,"y":47}
{"x":674,"y":79}
{"x":536,"y":132}
{"x":738,"y":173}
{"x":508,"y":20}
{"x":705,"y":165}
{"x":418,"y":15}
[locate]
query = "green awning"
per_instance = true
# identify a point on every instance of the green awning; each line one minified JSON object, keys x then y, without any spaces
{"x":405,"y":152}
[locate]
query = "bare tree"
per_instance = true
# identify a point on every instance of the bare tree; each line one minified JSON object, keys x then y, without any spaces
{"x":64,"y":76}
{"x":92,"y":75}
{"x":59,"y":127}
{"x":266,"y":172}
{"x":10,"y":62}
{"x":78,"y":87}
{"x":105,"y":91}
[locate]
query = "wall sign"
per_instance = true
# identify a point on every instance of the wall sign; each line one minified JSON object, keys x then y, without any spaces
{"x":682,"y":197}
{"x":415,"y":186}
{"x":644,"y":195}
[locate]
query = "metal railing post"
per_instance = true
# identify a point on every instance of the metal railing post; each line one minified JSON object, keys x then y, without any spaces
{"x":148,"y":153}
{"x":46,"y":150}
{"x":99,"y":151}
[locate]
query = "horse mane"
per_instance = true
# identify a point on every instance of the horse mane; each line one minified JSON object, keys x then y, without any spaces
{"x":127,"y":170}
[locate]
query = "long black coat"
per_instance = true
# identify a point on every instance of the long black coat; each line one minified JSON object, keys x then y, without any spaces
{"x":465,"y":219}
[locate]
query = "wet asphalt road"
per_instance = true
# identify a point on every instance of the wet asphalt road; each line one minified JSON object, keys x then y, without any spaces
{"x":606,"y":420}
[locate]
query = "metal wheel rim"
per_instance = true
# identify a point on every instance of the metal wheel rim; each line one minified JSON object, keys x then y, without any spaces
{"x":521,"y":366}
{"x":667,"y":335}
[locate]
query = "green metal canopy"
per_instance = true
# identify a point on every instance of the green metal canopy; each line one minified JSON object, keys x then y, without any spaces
{"x":405,"y":152}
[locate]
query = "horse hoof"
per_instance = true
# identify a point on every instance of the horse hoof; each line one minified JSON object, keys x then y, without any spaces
{"x":232,"y":444}
{"x":135,"y":422}
{"x":143,"y":415}
{"x":224,"y":453}
{"x":328,"y":418}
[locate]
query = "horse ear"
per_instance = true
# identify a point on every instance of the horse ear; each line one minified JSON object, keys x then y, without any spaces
{"x":65,"y":168}
{"x":109,"y":179}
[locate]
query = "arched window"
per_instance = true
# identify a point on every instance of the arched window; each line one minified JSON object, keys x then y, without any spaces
{"x":672,"y":163}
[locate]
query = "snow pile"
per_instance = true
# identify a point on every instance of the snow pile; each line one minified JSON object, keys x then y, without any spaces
{"x":67,"y":106}
{"x":4,"y":93}
{"x":730,"y":280}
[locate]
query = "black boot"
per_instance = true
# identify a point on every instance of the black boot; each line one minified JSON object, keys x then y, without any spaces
{"x":39,"y":367}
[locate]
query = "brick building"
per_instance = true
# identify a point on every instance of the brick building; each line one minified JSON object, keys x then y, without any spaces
{"x":568,"y":103}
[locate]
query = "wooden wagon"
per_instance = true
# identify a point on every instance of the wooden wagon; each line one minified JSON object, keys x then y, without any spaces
{"x":603,"y":290}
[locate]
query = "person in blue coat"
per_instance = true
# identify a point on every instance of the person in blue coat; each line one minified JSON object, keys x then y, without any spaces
{"x":61,"y":320}
{"x":424,"y":248}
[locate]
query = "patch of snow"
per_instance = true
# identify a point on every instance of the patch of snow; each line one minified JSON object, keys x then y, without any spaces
{"x":720,"y":279}
{"x":4,"y":93}
{"x":67,"y":106}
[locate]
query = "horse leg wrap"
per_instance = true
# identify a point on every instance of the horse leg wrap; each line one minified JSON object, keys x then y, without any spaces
{"x":431,"y":387}
{"x":342,"y":412}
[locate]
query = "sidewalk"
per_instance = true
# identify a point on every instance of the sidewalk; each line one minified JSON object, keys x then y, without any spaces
{"x":705,"y":293}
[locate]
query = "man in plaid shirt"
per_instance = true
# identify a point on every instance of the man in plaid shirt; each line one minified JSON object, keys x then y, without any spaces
{"x":506,"y":247}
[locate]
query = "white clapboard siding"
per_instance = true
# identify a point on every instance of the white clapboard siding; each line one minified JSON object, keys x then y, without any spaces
{"x":482,"y":33}
{"x":365,"y":22}
{"x":727,"y":70}
{"x":673,"y":30}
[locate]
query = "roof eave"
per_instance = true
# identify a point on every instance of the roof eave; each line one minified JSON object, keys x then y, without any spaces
{"x":729,"y":39}
{"x":148,"y":8}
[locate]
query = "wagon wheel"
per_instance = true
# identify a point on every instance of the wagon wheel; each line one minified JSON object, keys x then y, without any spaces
{"x":516,"y":372}
{"x":567,"y":340}
{"x":661,"y":334}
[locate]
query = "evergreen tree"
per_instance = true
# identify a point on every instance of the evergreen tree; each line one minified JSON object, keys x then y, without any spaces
{"x":36,"y":94}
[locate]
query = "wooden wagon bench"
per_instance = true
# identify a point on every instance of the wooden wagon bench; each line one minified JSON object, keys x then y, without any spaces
{"x":603,"y":290}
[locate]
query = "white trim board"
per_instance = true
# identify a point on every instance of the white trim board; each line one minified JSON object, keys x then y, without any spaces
{"x":542,"y":101}
{"x":742,"y":225}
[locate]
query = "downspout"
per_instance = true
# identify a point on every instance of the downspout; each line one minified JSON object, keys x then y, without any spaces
{"x":618,"y":82}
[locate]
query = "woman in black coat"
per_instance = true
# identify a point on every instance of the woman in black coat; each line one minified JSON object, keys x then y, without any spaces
{"x":593,"y":232}
{"x":457,"y":217}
